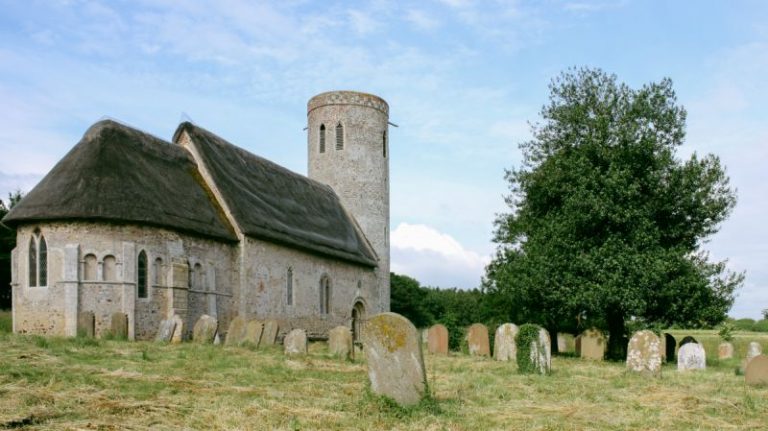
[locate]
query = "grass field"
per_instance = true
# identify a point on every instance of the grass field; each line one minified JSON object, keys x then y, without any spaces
{"x":48,"y":383}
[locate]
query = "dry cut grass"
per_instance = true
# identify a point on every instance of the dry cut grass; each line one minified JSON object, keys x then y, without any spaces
{"x":97,"y":384}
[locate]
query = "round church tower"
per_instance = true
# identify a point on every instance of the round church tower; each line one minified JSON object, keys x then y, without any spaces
{"x":348,"y":146}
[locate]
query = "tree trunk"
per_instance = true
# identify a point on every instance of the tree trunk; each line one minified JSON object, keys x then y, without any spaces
{"x":617,"y":340}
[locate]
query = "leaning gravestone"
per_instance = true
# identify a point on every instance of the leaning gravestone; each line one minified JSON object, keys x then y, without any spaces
{"x":592,"y":345}
{"x":437,"y":339}
{"x":725,"y":350}
{"x":644,"y":353}
{"x":757,"y":371}
{"x":577,"y":345}
{"x":236,"y":332}
{"x":533,"y":350}
{"x":565,"y":342}
{"x":340,"y":342}
{"x":477,"y":340}
{"x":504,"y":342}
{"x":119,"y":326}
{"x":269,"y":336}
{"x":753,"y":349}
{"x":253,"y":331}
{"x":178,"y":330}
{"x":691,"y":356}
{"x":165,"y":332}
{"x":295,"y":343}
{"x":86,"y":324}
{"x":205,"y":330}
{"x":395,"y":361}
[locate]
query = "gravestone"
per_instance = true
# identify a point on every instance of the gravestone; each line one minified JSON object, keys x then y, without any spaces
{"x":394,"y":356}
{"x":757,"y":371}
{"x":687,"y":339}
{"x":504,"y":342}
{"x":541,"y":352}
{"x":669,"y":347}
{"x":644,"y":353}
{"x":269,"y":336}
{"x":753,"y":349}
{"x":253,"y":331}
{"x":119,"y":326}
{"x":178,"y":330}
{"x":295,"y":343}
{"x":236,"y":333}
{"x":165,"y":332}
{"x":86,"y":324}
{"x":691,"y":356}
{"x":577,"y":345}
{"x":205,"y":330}
{"x":565,"y":342}
{"x":725,"y":350}
{"x":340,"y":342}
{"x":437,"y":339}
{"x":477,"y":340}
{"x":593,"y":345}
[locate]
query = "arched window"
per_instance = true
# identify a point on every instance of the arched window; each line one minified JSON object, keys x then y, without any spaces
{"x":32,"y":262}
{"x":322,"y":138}
{"x":109,"y":272}
{"x":89,"y":267}
{"x":38,"y":260}
{"x":384,"y":143}
{"x":198,"y":277}
{"x":141,"y":275}
{"x":325,"y":294}
{"x":289,"y":286}
{"x":159,"y":272}
{"x":339,"y":137}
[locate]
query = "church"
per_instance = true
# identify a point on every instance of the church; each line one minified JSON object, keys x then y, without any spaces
{"x":129,"y":223}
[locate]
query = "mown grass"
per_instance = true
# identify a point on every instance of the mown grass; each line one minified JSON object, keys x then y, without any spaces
{"x":6,"y":321}
{"x":53,"y":383}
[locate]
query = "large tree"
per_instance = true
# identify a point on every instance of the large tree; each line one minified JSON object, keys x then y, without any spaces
{"x":606,"y":221}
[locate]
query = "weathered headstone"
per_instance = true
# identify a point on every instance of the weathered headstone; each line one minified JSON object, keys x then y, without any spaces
{"x":269,"y":336}
{"x":253,"y":331}
{"x":565,"y":342}
{"x":757,"y":371}
{"x":725,"y":350}
{"x":119,"y":326}
{"x":395,"y":360}
{"x":165,"y":332}
{"x":477,"y":340}
{"x":593,"y":345}
{"x":670,"y":343}
{"x":86,"y":324}
{"x":644,"y":353}
{"x":340,"y":342}
{"x":205,"y":330}
{"x":178,"y":330}
{"x":691,"y":356}
{"x":437,"y":339}
{"x":542,"y":352}
{"x":577,"y":345}
{"x":753,"y":349}
{"x":236,"y":333}
{"x":504,"y":342}
{"x":295,"y":343}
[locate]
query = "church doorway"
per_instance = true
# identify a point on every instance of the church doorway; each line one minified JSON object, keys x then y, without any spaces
{"x":358,"y":315}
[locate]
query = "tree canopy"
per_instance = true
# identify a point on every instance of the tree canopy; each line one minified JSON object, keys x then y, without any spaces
{"x":7,"y":244}
{"x":606,"y":222}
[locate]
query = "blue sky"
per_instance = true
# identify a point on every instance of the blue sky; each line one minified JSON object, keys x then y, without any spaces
{"x":462,"y":78}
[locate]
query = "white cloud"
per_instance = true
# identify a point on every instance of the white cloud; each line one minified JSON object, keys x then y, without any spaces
{"x":435,"y":258}
{"x":362,"y":22}
{"x":421,"y":20}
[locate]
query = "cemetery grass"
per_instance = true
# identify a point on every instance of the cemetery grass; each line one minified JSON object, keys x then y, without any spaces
{"x":54,"y":383}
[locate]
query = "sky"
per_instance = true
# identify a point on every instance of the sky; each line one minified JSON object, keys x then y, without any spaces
{"x":464,"y":79}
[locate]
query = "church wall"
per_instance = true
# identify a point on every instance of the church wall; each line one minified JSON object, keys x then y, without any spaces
{"x":44,"y":310}
{"x":265,"y":288}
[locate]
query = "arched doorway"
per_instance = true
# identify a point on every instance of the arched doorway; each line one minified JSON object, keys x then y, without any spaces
{"x":358,"y":315}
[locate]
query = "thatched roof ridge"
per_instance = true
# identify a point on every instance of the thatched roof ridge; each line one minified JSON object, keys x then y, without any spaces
{"x":270,"y":202}
{"x":120,"y":174}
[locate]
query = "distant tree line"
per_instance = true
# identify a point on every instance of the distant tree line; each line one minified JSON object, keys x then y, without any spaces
{"x":7,"y":244}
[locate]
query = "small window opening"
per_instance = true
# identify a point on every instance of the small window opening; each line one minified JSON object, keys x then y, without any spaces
{"x":325,"y":295}
{"x":141,"y":275}
{"x":159,"y":273}
{"x":109,"y":272}
{"x":384,"y":143}
{"x":339,"y":137}
{"x":289,"y":286}
{"x":90,"y":264}
{"x":322,"y":138}
{"x":32,"y":262}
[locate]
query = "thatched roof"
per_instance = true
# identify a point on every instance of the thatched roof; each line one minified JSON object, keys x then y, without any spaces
{"x":272,"y":203}
{"x":119,"y":174}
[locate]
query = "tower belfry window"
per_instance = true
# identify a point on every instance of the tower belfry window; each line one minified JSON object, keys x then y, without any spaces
{"x":339,"y":137}
{"x":322,"y":138}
